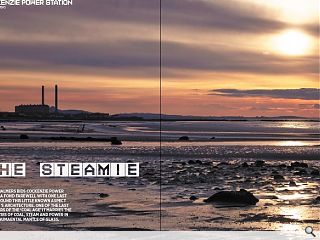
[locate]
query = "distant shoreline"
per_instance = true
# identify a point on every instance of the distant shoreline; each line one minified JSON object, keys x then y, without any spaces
{"x":162,"y":120}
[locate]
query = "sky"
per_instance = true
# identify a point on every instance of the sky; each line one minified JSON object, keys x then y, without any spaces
{"x":219,"y":58}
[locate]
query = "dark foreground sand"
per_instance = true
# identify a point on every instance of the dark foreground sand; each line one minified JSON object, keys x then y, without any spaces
{"x":287,"y":191}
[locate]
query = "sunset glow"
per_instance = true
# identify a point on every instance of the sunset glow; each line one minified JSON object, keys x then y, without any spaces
{"x":250,"y":45}
{"x":292,"y":42}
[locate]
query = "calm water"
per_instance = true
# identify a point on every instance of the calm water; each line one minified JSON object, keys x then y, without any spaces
{"x":201,"y":133}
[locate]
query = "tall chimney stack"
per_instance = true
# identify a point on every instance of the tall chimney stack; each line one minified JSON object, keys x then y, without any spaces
{"x":42,"y":95}
{"x":56,"y":98}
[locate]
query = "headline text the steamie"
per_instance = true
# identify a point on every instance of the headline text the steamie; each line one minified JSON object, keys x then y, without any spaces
{"x":73,"y":169}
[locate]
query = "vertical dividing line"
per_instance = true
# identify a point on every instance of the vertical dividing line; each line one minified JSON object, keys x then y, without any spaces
{"x":160,"y":108}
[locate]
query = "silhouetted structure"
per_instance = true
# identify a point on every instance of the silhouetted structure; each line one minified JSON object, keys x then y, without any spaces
{"x":56,"y":98}
{"x":42,"y":92}
{"x":44,"y":111}
{"x":34,"y":109}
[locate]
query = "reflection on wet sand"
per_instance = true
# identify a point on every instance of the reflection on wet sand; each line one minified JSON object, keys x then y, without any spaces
{"x":282,"y":174}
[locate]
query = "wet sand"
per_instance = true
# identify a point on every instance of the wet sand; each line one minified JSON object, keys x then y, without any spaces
{"x":286,"y":191}
{"x":171,"y":131}
{"x":284,"y":204}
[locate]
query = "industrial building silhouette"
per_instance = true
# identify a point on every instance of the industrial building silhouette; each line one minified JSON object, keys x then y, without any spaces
{"x":38,"y":109}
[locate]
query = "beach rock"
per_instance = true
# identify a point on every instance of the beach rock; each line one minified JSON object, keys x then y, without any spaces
{"x":245,"y":165}
{"x":268,"y":204}
{"x":292,"y":184}
{"x":269,"y":188}
{"x":24,"y":136}
{"x":282,"y":166}
{"x":272,"y":197}
{"x":259,"y":163}
{"x":115,"y":141}
{"x":184,"y":138}
{"x":317,"y":200}
{"x":213,"y":138}
{"x":103,"y":195}
{"x":315,"y":172}
{"x":302,"y":172}
{"x":223,"y":164}
{"x":286,"y":191}
{"x":240,"y":197}
{"x":207,"y":163}
{"x":191,"y":162}
{"x":198,"y":162}
{"x":193,"y":198}
{"x":248,"y":180}
{"x":290,"y":168}
{"x":278,"y":177}
{"x":299,"y":164}
{"x":3,"y":128}
{"x":202,"y":179}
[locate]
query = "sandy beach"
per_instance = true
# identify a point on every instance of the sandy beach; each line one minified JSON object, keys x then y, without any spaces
{"x":280,"y":167}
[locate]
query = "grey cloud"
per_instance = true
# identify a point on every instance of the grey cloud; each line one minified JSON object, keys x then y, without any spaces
{"x":114,"y":55}
{"x":210,"y":16}
{"x":145,"y":55}
{"x":224,"y":15}
{"x":196,"y":57}
{"x":228,"y":15}
{"x":302,"y":93}
{"x":309,"y":106}
{"x":313,"y":29}
{"x":83,"y":36}
{"x":131,"y":53}
{"x":43,"y":18}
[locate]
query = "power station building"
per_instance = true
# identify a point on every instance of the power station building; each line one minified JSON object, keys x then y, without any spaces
{"x":32,"y":109}
{"x":38,"y":109}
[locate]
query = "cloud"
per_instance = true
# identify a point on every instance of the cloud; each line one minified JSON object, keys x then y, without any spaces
{"x":117,"y":36}
{"x":131,"y":55}
{"x":123,"y":35}
{"x":302,"y":93}
{"x":231,"y":15}
{"x":309,"y":106}
{"x":126,"y":56}
{"x":197,"y":57}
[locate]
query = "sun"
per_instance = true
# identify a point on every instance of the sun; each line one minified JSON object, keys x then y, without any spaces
{"x":292,"y":42}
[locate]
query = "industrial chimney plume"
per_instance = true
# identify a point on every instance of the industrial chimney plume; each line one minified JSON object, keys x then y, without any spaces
{"x":42,"y":95}
{"x":56,"y":98}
